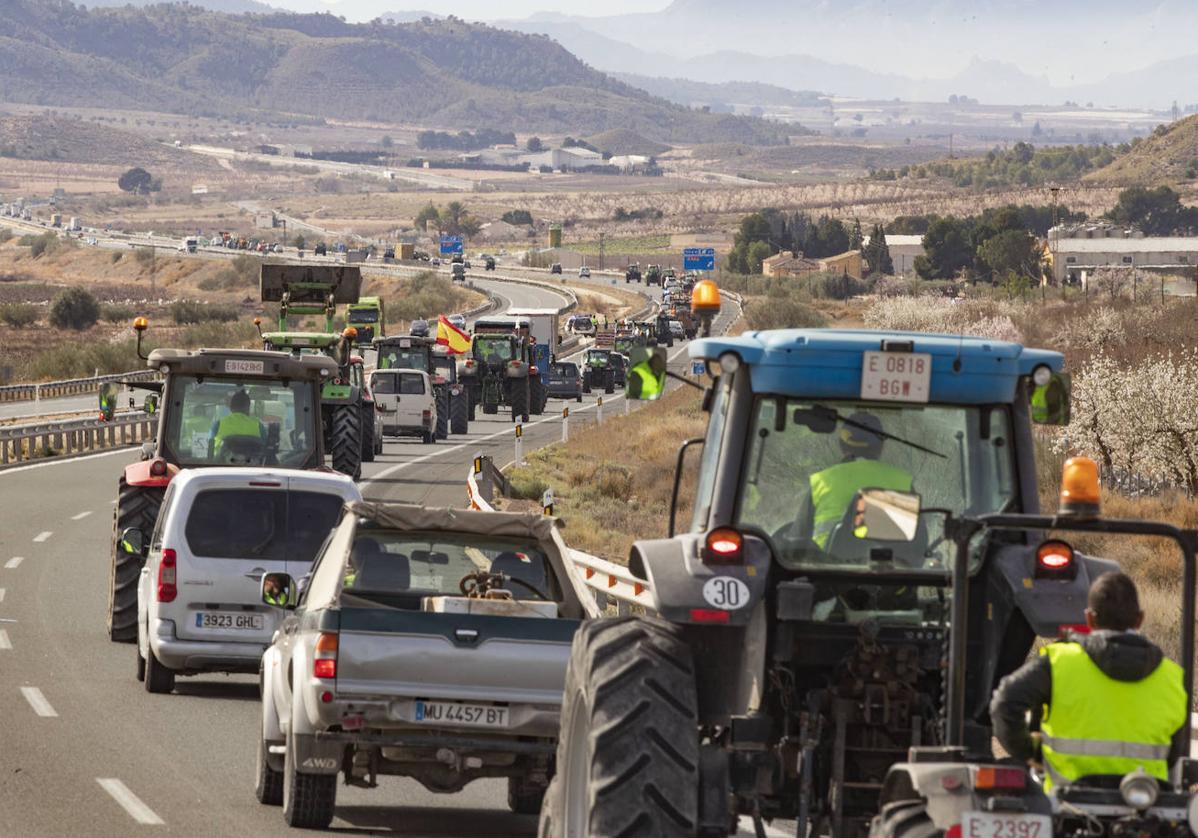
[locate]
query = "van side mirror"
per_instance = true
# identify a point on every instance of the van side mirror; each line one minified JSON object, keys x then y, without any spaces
{"x":886,"y":515}
{"x":133,"y":541}
{"x":646,"y":378}
{"x":278,"y":590}
{"x":1049,"y":403}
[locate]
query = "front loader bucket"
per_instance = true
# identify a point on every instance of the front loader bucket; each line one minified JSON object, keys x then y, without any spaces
{"x":310,"y":284}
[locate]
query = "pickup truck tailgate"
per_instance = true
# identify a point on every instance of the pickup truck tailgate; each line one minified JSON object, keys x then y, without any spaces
{"x":394,"y":653}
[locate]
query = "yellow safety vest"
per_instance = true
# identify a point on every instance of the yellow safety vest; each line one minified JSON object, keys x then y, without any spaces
{"x":236,"y":424}
{"x":1099,"y":725}
{"x":650,"y":386}
{"x":279,"y":599}
{"x":1040,"y":404}
{"x":833,"y":489}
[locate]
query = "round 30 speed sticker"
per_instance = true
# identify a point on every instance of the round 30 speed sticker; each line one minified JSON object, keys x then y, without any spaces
{"x":726,"y":593}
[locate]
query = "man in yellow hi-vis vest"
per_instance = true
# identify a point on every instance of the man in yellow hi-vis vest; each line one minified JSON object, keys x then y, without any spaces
{"x":646,"y":380}
{"x":238,"y":423}
{"x":1108,"y":701}
{"x":834,"y":489}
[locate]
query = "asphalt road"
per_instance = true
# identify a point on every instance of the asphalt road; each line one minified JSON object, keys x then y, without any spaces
{"x":86,"y":751}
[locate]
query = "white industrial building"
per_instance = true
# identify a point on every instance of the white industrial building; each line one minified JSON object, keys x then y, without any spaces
{"x":903,"y":250}
{"x":1076,"y":252}
{"x":558,"y":159}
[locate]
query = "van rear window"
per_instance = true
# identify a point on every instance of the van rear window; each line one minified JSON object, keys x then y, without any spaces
{"x":411,"y":385}
{"x":260,"y":524}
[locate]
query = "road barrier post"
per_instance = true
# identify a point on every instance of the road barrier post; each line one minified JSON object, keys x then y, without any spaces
{"x":627,"y":406}
{"x":599,"y":410}
{"x":547,"y":502}
{"x":482,"y":477}
{"x":565,"y":424}
{"x":37,"y":394}
{"x":519,"y":445}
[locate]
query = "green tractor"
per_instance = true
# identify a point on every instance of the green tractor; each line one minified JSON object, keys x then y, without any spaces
{"x":419,"y":352}
{"x":500,"y":371}
{"x":597,"y":371}
{"x":346,"y":410}
{"x":367,"y":315}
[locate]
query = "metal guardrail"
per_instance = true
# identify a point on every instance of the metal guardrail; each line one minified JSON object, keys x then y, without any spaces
{"x":67,"y":387}
{"x":49,"y":440}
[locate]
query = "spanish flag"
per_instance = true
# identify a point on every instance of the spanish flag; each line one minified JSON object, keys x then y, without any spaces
{"x":451,"y":337}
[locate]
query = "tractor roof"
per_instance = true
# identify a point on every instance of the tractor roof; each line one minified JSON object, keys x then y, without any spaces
{"x":302,"y":340}
{"x":826,"y":363}
{"x":405,"y":340}
{"x":215,"y":362}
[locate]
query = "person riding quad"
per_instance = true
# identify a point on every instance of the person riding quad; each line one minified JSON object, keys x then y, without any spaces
{"x":1107,"y":702}
{"x":236,"y":423}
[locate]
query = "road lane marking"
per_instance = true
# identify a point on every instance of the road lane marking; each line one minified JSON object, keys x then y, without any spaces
{"x":129,"y":801}
{"x":5,"y":643}
{"x":38,"y":702}
{"x":42,"y":536}
{"x":12,"y":563}
{"x":1,"y":595}
{"x":81,"y":515}
{"x":126,"y":451}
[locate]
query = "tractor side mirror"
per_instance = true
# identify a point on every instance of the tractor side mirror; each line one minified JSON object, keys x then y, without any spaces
{"x":133,"y":541}
{"x":646,"y":379}
{"x":886,"y":515}
{"x":278,"y":590}
{"x":1050,"y":402}
{"x":108,"y":395}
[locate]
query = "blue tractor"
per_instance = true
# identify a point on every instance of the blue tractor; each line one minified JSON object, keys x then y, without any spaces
{"x":826,"y":611}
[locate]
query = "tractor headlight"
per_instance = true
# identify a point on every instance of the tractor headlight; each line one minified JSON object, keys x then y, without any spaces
{"x":729,"y":362}
{"x":1041,"y":375}
{"x":1140,"y":790}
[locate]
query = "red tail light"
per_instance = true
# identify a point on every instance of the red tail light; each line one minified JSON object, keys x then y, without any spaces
{"x":1055,"y":560}
{"x":167,"y":589}
{"x":709,"y":615}
{"x":724,"y":546}
{"x":998,"y":777}
{"x":158,"y":468}
{"x":324,"y":663}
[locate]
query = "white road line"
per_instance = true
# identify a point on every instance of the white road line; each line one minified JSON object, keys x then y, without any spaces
{"x":129,"y":801}
{"x":126,"y":451}
{"x":5,"y":643}
{"x":12,"y":563}
{"x":38,"y":702}
{"x":1,"y":595}
{"x":42,"y":536}
{"x":81,"y":515}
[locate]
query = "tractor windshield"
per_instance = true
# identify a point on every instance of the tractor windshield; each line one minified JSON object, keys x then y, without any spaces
{"x":493,"y":349}
{"x":232,"y":421}
{"x":403,"y":358}
{"x":597,"y":357}
{"x":805,"y":466}
{"x":362,"y":315}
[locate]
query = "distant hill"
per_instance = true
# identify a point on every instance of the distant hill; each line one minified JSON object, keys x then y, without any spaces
{"x":695,"y":94}
{"x":77,"y":140}
{"x":438,"y":73}
{"x":625,"y":141}
{"x":228,"y":6}
{"x":1168,"y":156}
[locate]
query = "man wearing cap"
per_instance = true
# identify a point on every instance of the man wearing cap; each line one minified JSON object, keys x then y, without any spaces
{"x":835,"y":488}
{"x":1108,"y":702}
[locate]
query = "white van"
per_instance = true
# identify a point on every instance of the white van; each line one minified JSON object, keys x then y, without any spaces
{"x":407,"y":403}
{"x":199,"y":602}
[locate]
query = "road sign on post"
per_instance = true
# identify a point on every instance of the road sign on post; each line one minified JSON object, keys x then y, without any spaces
{"x":451,"y":245}
{"x":698,"y":259}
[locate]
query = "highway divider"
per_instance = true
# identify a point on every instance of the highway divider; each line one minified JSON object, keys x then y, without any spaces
{"x":21,"y":444}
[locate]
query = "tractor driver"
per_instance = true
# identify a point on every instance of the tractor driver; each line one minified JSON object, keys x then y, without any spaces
{"x":237,"y":423}
{"x":833,"y":490}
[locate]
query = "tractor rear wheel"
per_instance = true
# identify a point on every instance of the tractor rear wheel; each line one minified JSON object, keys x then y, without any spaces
{"x":536,"y":395}
{"x":472,"y":401}
{"x":347,"y":440}
{"x":628,"y":756}
{"x":442,"y":398}
{"x":459,"y":418}
{"x":518,"y":396}
{"x":368,"y":445}
{"x":904,"y":819}
{"x":136,"y":507}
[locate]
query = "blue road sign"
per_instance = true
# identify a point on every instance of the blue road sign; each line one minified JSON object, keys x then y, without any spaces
{"x":698,"y":259}
{"x":698,"y":367}
{"x":451,"y":245}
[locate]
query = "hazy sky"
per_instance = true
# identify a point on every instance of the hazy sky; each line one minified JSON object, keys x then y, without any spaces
{"x":480,"y":9}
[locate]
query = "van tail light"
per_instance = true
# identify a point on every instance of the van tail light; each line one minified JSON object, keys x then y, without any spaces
{"x":1000,"y":777}
{"x":724,"y":545}
{"x":1055,"y":560}
{"x":167,"y":588}
{"x":324,"y":662}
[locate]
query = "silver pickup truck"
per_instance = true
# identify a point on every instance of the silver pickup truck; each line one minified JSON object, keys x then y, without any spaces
{"x":427,"y":643}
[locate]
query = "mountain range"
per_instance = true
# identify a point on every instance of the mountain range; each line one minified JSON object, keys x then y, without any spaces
{"x":437,"y":73}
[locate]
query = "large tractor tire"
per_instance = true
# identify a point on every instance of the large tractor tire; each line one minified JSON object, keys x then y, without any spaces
{"x":135,"y":507}
{"x":442,"y":398}
{"x":368,"y":444}
{"x":586,"y":381}
{"x":459,"y":417}
{"x":904,"y":819}
{"x":628,"y":756}
{"x":346,"y":446}
{"x":609,"y":382}
{"x":518,"y":396}
{"x":536,"y":395}
{"x":472,"y":402}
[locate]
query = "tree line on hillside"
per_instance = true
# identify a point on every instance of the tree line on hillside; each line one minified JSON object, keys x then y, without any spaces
{"x":1021,"y":165}
{"x":464,"y":140}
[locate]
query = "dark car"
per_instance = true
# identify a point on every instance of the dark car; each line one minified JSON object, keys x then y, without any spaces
{"x":555,"y":268}
{"x":564,"y":381}
{"x":619,"y":368}
{"x":321,"y":249}
{"x":489,"y":264}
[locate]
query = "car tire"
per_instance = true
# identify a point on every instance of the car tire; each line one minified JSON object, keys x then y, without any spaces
{"x":268,"y":787}
{"x":308,"y":799}
{"x":159,"y":679}
{"x":141,"y":667}
{"x":430,"y":438}
{"x":904,"y":819}
{"x":524,"y":798}
{"x":629,"y":744}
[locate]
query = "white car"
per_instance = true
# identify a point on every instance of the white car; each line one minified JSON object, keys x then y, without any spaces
{"x":407,"y":403}
{"x":199,"y":602}
{"x":584,"y":272}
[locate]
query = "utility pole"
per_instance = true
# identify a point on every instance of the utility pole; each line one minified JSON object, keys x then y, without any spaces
{"x":1054,"y":236}
{"x":601,"y":244}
